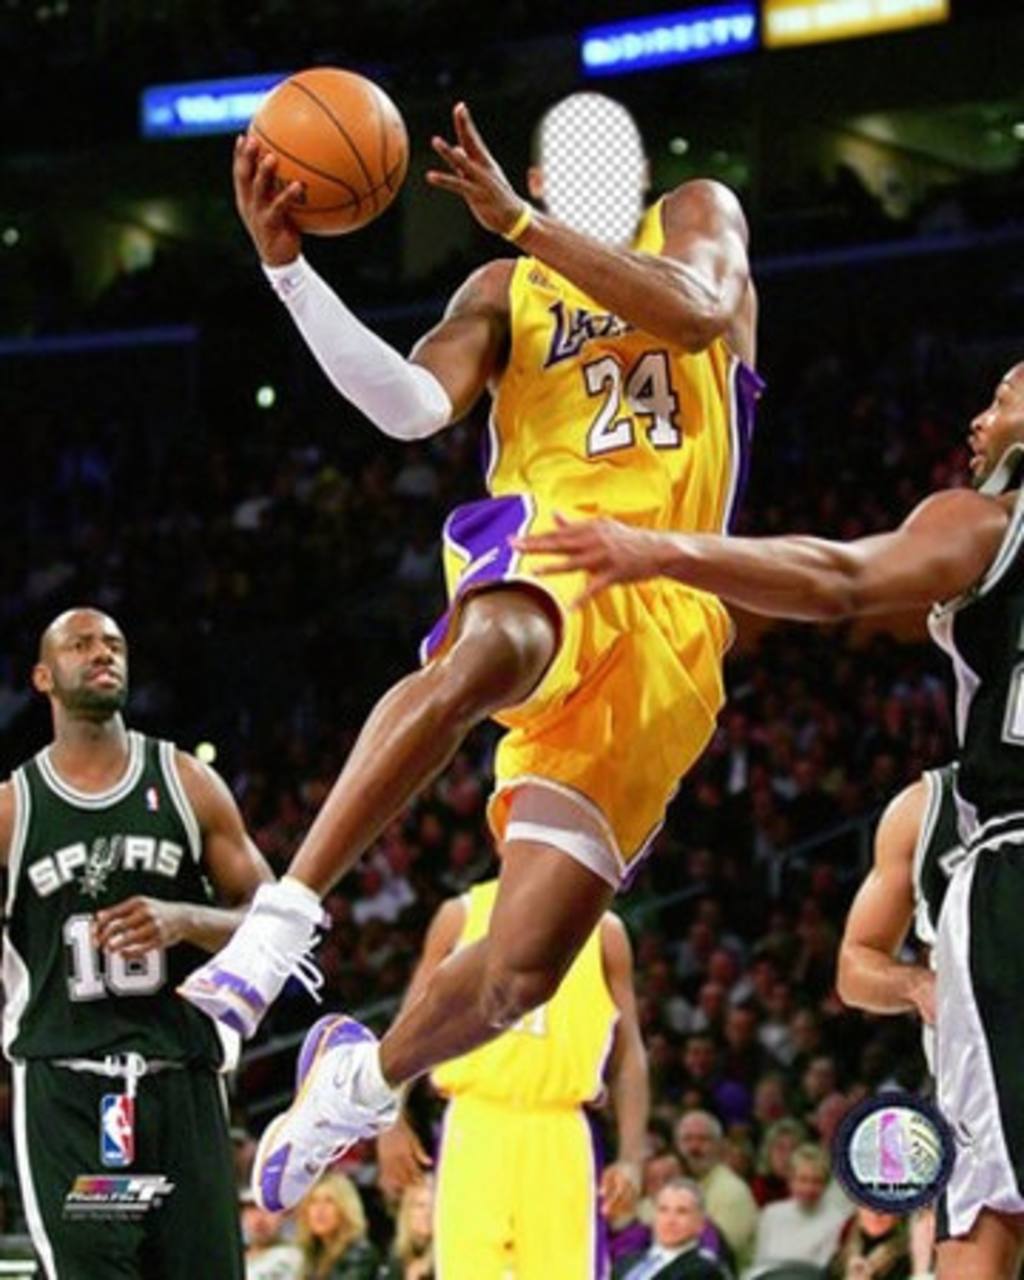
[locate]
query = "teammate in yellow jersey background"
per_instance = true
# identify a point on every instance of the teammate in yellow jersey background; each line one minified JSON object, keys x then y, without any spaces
{"x":520,"y":1188}
{"x":620,"y":362}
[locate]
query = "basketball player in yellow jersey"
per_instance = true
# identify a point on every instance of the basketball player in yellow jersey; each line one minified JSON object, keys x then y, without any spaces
{"x":519,"y":1183}
{"x":622,"y":383}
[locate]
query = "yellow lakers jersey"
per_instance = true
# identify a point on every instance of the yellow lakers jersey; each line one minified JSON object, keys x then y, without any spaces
{"x":556,"y":1055}
{"x":592,"y":416}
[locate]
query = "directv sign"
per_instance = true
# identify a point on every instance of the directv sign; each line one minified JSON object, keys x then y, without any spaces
{"x":204,"y":106}
{"x":658,"y":41}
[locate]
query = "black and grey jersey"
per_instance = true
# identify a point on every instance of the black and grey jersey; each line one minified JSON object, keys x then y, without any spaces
{"x":937,"y":852}
{"x":983,"y":633}
{"x":73,"y":853}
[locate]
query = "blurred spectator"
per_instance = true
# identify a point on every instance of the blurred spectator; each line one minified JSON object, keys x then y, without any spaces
{"x":873,"y":1246}
{"x":412,"y":1254}
{"x":675,"y":1252}
{"x":771,"y":1179}
{"x":728,"y":1201}
{"x":331,"y":1233}
{"x":801,"y":1228}
{"x":267,"y":1255}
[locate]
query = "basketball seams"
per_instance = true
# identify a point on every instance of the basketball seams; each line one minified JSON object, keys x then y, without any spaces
{"x":315,"y":97}
{"x":356,"y":198}
{"x":382,"y":126}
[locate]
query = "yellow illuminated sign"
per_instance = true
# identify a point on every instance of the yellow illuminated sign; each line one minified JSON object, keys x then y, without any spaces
{"x":807,"y":21}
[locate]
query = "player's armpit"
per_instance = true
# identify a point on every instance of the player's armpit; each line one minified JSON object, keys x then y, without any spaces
{"x":469,"y":346}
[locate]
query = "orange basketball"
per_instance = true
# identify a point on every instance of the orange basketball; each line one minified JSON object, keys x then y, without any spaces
{"x":340,"y":136}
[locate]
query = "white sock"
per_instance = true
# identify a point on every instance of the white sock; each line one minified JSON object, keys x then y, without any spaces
{"x":292,"y":893}
{"x":376,"y":1090}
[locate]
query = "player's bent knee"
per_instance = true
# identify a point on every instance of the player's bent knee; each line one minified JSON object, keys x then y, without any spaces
{"x":504,"y":650}
{"x":506,"y":995}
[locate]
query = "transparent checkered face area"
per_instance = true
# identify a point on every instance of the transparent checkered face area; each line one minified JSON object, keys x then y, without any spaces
{"x":594,"y":168}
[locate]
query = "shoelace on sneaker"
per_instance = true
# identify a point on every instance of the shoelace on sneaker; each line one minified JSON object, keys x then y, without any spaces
{"x":297,"y":963}
{"x":324,"y":1157}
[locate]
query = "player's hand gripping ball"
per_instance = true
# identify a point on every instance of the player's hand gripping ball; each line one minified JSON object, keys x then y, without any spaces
{"x":341,"y":139}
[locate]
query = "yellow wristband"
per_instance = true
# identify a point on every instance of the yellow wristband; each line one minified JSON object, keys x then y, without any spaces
{"x":521,"y":223}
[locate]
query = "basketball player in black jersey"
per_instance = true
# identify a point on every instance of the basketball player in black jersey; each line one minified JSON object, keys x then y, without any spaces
{"x":961,"y":552}
{"x":112,"y":842}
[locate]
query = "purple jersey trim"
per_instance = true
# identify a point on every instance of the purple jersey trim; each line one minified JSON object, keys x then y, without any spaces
{"x":480,"y":532}
{"x":748,"y":387}
{"x":602,"y":1246}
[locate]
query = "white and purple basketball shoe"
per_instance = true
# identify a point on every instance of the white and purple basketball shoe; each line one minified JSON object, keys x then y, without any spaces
{"x":272,"y":944}
{"x":340,"y":1097}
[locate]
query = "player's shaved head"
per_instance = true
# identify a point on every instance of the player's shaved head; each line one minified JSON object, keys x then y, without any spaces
{"x":1014,"y":376}
{"x":80,"y":618}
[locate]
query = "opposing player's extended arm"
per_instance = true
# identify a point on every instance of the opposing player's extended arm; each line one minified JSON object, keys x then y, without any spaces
{"x":870,"y":977}
{"x":629,"y":1079}
{"x":400,"y":1155}
{"x":940,"y":551}
{"x":6,"y":820}
{"x":688,"y":295}
{"x":235,"y":866}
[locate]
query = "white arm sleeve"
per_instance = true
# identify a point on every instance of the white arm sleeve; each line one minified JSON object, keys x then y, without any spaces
{"x":404,"y":400}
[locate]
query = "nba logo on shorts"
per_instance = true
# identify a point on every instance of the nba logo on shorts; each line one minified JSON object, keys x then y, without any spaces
{"x":117,"y":1130}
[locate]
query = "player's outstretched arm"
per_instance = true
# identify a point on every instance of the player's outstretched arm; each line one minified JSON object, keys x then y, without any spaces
{"x":940,"y":551}
{"x":406,"y":399}
{"x":629,"y":1080}
{"x":869,"y":975}
{"x":689,"y":295}
{"x":234,"y":865}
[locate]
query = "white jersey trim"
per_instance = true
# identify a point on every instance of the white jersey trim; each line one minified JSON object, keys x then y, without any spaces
{"x":96,"y":799}
{"x":983,"y":1175}
{"x":33,"y":1216}
{"x":180,"y":800}
{"x":923,"y":926}
{"x":16,"y":977}
{"x":735,"y":443}
{"x":19,"y":835}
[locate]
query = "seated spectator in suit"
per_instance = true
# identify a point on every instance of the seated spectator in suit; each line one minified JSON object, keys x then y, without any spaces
{"x":804,"y":1227}
{"x":728,"y":1200}
{"x":675,"y":1252}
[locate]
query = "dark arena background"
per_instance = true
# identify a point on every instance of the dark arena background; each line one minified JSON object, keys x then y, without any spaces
{"x":172,"y":455}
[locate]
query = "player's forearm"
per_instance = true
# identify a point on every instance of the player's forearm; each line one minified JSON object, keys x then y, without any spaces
{"x":209,"y":928}
{"x":631,"y":1098}
{"x":871,"y":980}
{"x":660,"y":296}
{"x":805,"y":579}
{"x":403,"y":399}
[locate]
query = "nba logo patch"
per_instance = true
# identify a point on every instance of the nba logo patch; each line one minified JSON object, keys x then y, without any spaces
{"x":117,"y":1130}
{"x":152,"y":799}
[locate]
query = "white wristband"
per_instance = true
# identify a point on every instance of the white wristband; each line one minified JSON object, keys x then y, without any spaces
{"x":404,"y":400}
